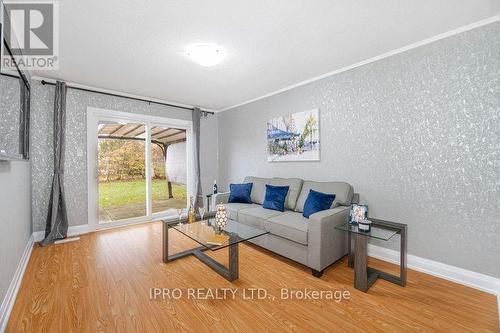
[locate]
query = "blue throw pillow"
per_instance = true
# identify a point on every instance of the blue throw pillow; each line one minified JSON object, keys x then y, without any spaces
{"x":240,"y":193}
{"x":275,"y":197}
{"x":316,"y":202}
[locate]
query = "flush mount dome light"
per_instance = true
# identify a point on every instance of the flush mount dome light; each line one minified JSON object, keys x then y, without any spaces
{"x":205,"y":55}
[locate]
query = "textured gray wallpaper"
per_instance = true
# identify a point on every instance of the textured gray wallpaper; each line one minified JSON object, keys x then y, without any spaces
{"x":417,"y":134}
{"x":10,"y":104}
{"x":76,"y":146}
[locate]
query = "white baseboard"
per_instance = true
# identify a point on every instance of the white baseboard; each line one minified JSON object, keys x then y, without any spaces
{"x":72,"y":231}
{"x":86,"y":228}
{"x":498,"y":304}
{"x":462,"y":276}
{"x":10,"y":296}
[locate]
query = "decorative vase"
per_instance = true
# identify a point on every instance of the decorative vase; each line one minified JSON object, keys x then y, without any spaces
{"x":221,"y":217}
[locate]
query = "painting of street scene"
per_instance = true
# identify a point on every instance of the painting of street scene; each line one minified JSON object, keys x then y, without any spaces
{"x":294,"y":137}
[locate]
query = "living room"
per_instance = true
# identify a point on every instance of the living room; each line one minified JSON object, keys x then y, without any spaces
{"x":250,"y":166}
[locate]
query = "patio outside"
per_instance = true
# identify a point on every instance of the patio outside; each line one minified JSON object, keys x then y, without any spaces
{"x":122,"y":173}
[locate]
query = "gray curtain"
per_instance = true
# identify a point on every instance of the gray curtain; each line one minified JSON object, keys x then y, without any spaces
{"x":198,"y":192}
{"x":24,"y":125}
{"x":57,"y":218}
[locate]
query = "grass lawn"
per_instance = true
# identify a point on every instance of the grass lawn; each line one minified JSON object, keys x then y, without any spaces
{"x":121,"y":193}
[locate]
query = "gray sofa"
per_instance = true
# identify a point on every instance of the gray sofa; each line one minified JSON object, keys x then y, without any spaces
{"x":312,"y":241}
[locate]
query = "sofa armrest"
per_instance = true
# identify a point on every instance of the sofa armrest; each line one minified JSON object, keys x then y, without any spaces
{"x":333,"y":215}
{"x":219,"y":198}
{"x":326,"y":244}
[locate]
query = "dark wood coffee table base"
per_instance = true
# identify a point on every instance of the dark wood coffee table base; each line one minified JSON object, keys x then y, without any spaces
{"x":230,"y":273}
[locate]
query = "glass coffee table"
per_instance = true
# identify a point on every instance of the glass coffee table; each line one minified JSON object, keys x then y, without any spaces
{"x":205,"y":232}
{"x":365,"y":276}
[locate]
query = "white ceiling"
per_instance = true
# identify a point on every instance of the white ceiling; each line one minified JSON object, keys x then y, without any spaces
{"x":138,"y":47}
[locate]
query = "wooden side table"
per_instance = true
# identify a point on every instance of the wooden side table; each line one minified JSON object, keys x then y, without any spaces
{"x":365,"y":276}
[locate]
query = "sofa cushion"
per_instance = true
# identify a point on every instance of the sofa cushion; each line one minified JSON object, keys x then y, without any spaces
{"x":291,"y":225}
{"x":343,"y":193}
{"x":233,"y":209}
{"x":316,"y":202}
{"x":240,"y":193}
{"x":295,"y":185}
{"x":256,"y":216}
{"x":275,"y":197}
{"x":258,"y":188}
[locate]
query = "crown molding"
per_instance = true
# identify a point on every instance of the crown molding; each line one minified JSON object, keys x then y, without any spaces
{"x":376,"y":58}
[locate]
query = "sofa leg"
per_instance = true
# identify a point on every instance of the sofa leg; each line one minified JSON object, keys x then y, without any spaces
{"x":317,"y":274}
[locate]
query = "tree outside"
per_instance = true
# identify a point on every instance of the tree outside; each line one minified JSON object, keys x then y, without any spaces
{"x":122,"y":180}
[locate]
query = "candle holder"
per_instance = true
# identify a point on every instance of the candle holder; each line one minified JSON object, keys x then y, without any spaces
{"x":220,"y":217}
{"x":365,"y":225}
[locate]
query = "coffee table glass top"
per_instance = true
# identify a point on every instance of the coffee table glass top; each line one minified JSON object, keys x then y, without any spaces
{"x":205,"y":231}
{"x":378,"y":232}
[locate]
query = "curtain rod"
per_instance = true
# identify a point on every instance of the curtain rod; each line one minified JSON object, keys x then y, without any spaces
{"x":21,"y":75}
{"x":10,"y":75}
{"x":133,"y":98}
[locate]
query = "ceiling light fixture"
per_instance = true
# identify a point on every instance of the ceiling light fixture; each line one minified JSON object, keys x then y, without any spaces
{"x":205,"y":54}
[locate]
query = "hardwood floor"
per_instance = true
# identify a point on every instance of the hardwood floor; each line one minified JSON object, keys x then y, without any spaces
{"x":102,"y":284}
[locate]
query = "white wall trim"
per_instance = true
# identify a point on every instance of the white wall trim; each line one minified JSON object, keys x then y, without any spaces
{"x":75,"y":230}
{"x":10,"y":296}
{"x":376,"y":58}
{"x":498,"y":303}
{"x":82,"y":229}
{"x":462,"y":276}
{"x":124,"y":94}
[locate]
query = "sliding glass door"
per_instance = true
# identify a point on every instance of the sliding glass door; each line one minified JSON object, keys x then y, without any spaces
{"x":122,"y":171}
{"x":141,"y":168}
